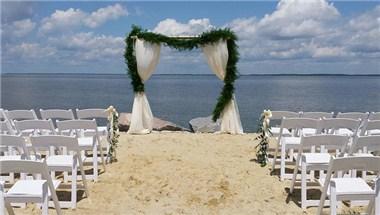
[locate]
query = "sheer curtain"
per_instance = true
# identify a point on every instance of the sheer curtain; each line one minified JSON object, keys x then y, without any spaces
{"x":147,"y":56}
{"x":217,"y":58}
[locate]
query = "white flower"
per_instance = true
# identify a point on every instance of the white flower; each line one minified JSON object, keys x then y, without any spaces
{"x":110,"y":109}
{"x":267,"y":114}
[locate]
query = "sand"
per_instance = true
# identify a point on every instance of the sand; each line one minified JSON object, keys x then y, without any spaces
{"x":184,"y":173}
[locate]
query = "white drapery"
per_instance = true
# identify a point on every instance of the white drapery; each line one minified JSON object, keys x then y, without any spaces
{"x":147,"y":56}
{"x":217,"y":58}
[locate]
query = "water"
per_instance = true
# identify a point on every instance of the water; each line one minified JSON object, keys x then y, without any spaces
{"x":179,"y":98}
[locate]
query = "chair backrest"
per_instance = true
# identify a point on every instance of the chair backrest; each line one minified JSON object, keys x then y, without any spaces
{"x":366,"y":144}
{"x":374,"y":116}
{"x":92,"y":113}
{"x":317,"y":115}
{"x":328,"y":141}
{"x":353,"y":115}
{"x":76,"y":125}
{"x":20,"y":115}
{"x":369,"y":126}
{"x":334,"y":124}
{"x":56,"y":141}
{"x":278,"y":115}
{"x":57,"y":114}
{"x":299,"y":123}
{"x":2,"y":115}
{"x":38,"y":125}
{"x":10,"y":142}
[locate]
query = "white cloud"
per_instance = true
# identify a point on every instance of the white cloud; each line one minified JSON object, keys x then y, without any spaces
{"x":28,"y":51}
{"x":71,"y":18}
{"x":18,"y":28}
{"x":89,"y":46}
{"x":173,"y":28}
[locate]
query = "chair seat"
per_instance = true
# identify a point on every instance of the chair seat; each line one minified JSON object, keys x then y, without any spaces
{"x":29,"y":188}
{"x":344,"y":131}
{"x":60,"y":160}
{"x":309,"y":131}
{"x":17,"y":157}
{"x":276,"y":131}
{"x":290,"y":141}
{"x":316,"y":158}
{"x":85,"y":142}
{"x":374,"y":132}
{"x":351,"y":186}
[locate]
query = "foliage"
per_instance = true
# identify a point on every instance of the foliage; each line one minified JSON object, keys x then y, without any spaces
{"x":113,"y":134}
{"x":264,"y":134}
{"x":187,"y":44}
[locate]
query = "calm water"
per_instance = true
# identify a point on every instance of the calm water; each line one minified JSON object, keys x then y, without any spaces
{"x":179,"y":98}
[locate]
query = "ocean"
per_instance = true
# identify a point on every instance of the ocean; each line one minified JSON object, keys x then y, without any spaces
{"x":179,"y":98}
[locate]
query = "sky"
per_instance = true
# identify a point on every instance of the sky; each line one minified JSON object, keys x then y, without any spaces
{"x":275,"y":37}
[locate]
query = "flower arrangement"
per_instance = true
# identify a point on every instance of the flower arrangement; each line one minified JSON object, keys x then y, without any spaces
{"x":264,"y":134}
{"x":113,"y":133}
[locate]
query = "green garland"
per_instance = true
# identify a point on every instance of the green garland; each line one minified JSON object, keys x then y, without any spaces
{"x":264,"y":132}
{"x":187,"y":44}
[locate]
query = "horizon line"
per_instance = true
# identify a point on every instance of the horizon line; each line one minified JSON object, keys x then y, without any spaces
{"x":192,"y":74}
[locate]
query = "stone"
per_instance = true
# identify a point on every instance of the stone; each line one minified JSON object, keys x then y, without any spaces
{"x":158,"y":124}
{"x":204,"y":125}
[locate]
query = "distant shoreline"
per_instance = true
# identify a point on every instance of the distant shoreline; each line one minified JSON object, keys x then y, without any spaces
{"x":114,"y":74}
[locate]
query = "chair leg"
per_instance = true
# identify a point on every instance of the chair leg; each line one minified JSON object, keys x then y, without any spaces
{"x":303,"y":186}
{"x":333,"y":200}
{"x":45,"y":199}
{"x":83,"y":175}
{"x":295,"y":172}
{"x":274,"y":158}
{"x":9,"y":208}
{"x":95,"y":162}
{"x":74,"y":185}
{"x":282,"y":165}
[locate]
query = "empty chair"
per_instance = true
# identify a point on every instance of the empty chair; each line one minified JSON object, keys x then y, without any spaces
{"x":353,"y":115}
{"x":29,"y":191}
{"x":35,"y":126}
{"x":12,"y":148}
{"x":55,"y":114}
{"x":289,"y":143}
{"x":374,"y":116}
{"x":276,"y":120}
{"x":90,"y":142}
{"x":20,"y":115}
{"x":371,"y":127}
{"x":64,"y":161}
{"x":344,"y":188}
{"x":311,"y":161}
{"x":317,"y":115}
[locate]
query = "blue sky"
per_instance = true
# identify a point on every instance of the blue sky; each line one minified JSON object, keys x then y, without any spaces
{"x":287,"y":36}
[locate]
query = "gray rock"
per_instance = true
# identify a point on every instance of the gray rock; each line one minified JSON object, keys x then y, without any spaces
{"x":204,"y":125}
{"x":158,"y":124}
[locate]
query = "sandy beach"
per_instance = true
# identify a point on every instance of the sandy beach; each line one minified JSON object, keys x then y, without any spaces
{"x":184,"y":173}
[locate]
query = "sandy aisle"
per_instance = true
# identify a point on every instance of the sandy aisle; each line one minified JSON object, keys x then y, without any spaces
{"x":180,"y":173}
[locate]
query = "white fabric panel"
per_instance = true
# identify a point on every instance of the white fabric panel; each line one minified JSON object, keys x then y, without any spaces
{"x":147,"y":56}
{"x":217,"y":57}
{"x":142,"y":117}
{"x":230,"y":119}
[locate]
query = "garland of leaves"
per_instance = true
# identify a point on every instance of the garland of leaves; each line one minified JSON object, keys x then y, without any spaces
{"x":264,"y":133}
{"x":113,"y":133}
{"x":187,"y":44}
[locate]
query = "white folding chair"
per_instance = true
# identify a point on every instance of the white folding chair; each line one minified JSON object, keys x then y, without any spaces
{"x":317,"y":115}
{"x":55,"y":114}
{"x":374,"y":116}
{"x":12,"y":148}
{"x":343,"y":188}
{"x":371,"y":127}
{"x":63,"y":161}
{"x":277,"y":117}
{"x":295,"y":125}
{"x":20,"y":115}
{"x":341,"y":126}
{"x":35,"y":127}
{"x":27,"y":191}
{"x":89,"y":141}
{"x":312,"y":161}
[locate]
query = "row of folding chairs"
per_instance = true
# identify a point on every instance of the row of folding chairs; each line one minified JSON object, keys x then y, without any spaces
{"x":334,"y":149}
{"x":63,"y":153}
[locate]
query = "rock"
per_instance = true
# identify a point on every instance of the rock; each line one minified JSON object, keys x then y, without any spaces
{"x":204,"y":125}
{"x":158,"y":124}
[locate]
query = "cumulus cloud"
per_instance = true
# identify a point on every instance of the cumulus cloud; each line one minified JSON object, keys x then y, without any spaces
{"x":72,"y":18}
{"x":30,"y":51}
{"x":18,"y":28}
{"x":173,"y":28}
